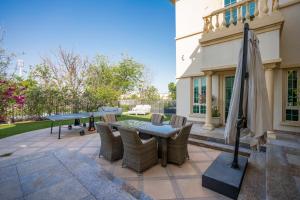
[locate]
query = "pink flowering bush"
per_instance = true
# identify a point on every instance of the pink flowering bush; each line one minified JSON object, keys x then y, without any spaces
{"x":12,"y":97}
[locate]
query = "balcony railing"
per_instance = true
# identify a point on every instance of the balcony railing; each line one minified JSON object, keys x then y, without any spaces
{"x":237,"y":13}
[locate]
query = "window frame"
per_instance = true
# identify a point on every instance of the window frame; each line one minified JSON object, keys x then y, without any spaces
{"x":201,"y":80}
{"x":286,"y":105}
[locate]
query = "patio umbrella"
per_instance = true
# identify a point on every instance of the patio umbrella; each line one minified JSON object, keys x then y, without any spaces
{"x":256,"y":109}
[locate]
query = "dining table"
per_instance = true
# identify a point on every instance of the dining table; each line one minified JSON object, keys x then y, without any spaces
{"x":162,"y":131}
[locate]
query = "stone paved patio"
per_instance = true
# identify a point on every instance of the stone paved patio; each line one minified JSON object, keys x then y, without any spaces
{"x":172,"y":182}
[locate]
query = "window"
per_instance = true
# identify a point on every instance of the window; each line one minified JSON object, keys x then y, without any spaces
{"x":199,"y":85}
{"x":251,"y":9}
{"x":293,"y":95}
{"x":227,"y":13}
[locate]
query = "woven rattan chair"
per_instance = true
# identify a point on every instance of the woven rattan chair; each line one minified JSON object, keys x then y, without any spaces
{"x":177,"y":120}
{"x":110,"y":118}
{"x":111,"y":143}
{"x":138,"y":155}
{"x":177,"y":146}
{"x":156,"y":118}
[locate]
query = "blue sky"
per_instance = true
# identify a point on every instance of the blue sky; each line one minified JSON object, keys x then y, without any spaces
{"x":142,"y":29}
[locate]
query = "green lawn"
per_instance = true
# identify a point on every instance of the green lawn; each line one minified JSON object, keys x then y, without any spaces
{"x":22,"y":127}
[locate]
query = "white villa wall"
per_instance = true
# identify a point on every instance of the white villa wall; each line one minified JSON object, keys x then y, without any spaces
{"x":189,"y":15}
{"x":226,"y":53}
{"x":191,"y":58}
{"x":186,"y":49}
{"x":183,"y":100}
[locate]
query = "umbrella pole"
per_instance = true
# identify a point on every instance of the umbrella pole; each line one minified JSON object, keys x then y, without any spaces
{"x":241,"y":118}
{"x":225,"y":175}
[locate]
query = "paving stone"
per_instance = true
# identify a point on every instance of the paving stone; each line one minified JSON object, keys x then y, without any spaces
{"x":297,"y":181}
{"x":5,"y":162}
{"x":10,"y":188}
{"x":29,"y":167}
{"x":15,"y":160}
{"x":67,"y":189}
{"x":7,"y":172}
{"x":293,"y":159}
{"x":90,"y":197}
{"x":44,"y":178}
{"x":40,"y":144}
{"x":25,"y":151}
{"x":159,"y":189}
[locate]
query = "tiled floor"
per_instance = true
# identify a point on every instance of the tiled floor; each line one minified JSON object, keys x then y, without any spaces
{"x":283,"y":167}
{"x":172,"y":182}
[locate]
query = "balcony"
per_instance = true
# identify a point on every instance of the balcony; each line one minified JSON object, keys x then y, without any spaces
{"x":226,"y":24}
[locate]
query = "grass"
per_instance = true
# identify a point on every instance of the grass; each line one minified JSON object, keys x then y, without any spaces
{"x":7,"y":130}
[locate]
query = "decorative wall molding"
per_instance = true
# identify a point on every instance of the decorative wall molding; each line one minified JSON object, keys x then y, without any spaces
{"x":268,"y":64}
{"x":188,"y":35}
{"x":290,"y":3}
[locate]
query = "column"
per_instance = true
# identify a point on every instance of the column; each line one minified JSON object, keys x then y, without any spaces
{"x":208,"y":118}
{"x":270,"y":89}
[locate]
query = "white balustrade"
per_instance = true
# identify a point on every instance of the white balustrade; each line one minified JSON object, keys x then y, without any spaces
{"x":237,"y":13}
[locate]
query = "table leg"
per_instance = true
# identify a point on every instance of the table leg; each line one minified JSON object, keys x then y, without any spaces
{"x":164,"y":153}
{"x":51,"y":126}
{"x":59,"y":130}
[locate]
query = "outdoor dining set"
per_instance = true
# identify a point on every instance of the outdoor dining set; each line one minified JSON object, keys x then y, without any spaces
{"x":140,"y":144}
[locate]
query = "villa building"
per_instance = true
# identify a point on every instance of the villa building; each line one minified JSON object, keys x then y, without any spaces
{"x":208,"y":40}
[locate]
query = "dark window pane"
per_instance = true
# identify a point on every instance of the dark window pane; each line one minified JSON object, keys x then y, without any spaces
{"x":202,"y":109}
{"x":195,"y":109}
{"x":292,"y":115}
{"x":290,"y":84}
{"x":288,"y":114}
{"x":295,"y":83}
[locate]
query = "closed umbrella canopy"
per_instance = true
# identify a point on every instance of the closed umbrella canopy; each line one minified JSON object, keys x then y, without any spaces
{"x":255,"y":104}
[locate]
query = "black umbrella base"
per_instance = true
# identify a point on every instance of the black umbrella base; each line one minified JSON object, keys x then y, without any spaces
{"x":222,"y":178}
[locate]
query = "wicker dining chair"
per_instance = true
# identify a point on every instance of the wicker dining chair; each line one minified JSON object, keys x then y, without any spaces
{"x":110,"y":118}
{"x":139,"y":155}
{"x":177,"y":120}
{"x":177,"y":146}
{"x":156,"y":118}
{"x":111,"y":143}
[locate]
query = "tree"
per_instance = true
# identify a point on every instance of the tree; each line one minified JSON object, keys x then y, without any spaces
{"x":105,"y":83}
{"x":64,"y":75}
{"x":172,"y":90}
{"x":150,"y":94}
{"x":5,"y":58}
{"x":127,"y":74}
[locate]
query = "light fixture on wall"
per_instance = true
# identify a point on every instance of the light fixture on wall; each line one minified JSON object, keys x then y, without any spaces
{"x":182,"y":58}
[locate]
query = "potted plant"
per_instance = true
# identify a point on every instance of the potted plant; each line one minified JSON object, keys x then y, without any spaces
{"x":216,"y":116}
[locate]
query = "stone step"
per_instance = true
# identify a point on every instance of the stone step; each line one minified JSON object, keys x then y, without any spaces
{"x":222,"y":141}
{"x":219,"y":146}
{"x":254,"y":183}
